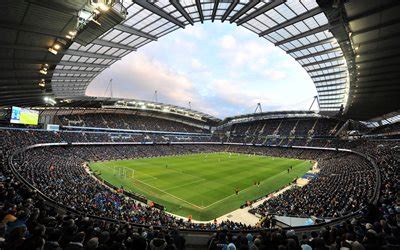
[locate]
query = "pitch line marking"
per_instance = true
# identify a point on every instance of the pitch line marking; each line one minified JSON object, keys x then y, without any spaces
{"x":185,"y":184}
{"x":199,"y":181}
{"x":155,"y":178}
{"x":169,"y":194}
{"x":176,"y":171}
{"x":246,"y":188}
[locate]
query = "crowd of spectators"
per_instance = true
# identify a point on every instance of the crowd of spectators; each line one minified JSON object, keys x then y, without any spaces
{"x":344,"y":185}
{"x":338,"y":189}
{"x":127,"y":121}
{"x":58,"y":171}
{"x":288,"y":127}
{"x":392,"y":128}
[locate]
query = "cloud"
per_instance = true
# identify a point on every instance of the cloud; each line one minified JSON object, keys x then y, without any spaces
{"x":196,"y":31}
{"x":219,"y":71}
{"x":143,"y":75}
{"x":234,"y":93}
{"x":197,"y":65}
{"x":228,"y":42}
{"x":245,"y":52}
{"x":274,"y":74}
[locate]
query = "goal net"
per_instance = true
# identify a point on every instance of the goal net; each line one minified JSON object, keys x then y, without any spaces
{"x":123,"y":172}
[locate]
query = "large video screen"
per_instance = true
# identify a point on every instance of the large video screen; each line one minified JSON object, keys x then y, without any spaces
{"x":24,"y":116}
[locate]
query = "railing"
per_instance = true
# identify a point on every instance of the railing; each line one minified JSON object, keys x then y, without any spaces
{"x":131,"y":131}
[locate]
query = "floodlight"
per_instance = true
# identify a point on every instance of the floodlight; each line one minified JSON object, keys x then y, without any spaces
{"x":49,"y":100}
{"x":53,"y":51}
{"x":42,"y":83}
{"x":103,"y":6}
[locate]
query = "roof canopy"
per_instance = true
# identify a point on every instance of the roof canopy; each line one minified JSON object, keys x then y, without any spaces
{"x":349,"y":50}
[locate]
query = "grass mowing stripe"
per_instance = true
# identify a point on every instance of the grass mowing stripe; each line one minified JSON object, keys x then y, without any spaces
{"x":275,"y":176}
{"x":202,"y":185}
{"x":168,"y":194}
{"x":190,"y":183}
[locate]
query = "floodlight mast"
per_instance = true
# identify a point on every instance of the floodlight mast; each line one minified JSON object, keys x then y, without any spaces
{"x":155,"y":96}
{"x":109,"y":86}
{"x":315,"y":99}
{"x":258,"y":108}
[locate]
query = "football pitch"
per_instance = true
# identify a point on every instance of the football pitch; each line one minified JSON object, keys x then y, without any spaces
{"x":202,"y":185}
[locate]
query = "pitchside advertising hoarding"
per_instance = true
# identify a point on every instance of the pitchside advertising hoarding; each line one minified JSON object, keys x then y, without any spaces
{"x":24,"y":116}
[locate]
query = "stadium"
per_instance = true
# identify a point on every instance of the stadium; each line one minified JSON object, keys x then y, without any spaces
{"x":105,"y":172}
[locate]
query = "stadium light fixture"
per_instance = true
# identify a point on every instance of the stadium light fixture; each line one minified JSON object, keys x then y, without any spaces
{"x":42,"y":83}
{"x":84,"y":16}
{"x":56,"y":46}
{"x":53,"y":51}
{"x":357,"y":56}
{"x":43,"y":70}
{"x":103,"y":7}
{"x":49,"y":100}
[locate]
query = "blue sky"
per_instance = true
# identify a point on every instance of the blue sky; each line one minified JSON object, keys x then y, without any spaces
{"x":220,"y":68}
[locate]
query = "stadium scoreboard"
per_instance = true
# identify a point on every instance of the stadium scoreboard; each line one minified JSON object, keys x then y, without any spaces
{"x":24,"y":116}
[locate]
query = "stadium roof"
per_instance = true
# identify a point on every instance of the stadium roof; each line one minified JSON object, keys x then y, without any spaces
{"x":133,"y":104}
{"x":28,"y":29}
{"x":348,"y":49}
{"x":296,"y":114}
{"x":374,"y":32}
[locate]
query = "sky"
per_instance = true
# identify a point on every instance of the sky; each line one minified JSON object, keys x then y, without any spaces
{"x":220,"y":68}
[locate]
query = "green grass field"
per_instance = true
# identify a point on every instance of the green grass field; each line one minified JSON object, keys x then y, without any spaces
{"x":202,"y":185}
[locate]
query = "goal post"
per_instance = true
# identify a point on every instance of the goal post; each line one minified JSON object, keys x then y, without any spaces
{"x":128,"y":173}
{"x":123,"y":172}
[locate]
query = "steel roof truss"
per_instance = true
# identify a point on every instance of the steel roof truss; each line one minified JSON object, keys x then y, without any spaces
{"x":294,"y":20}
